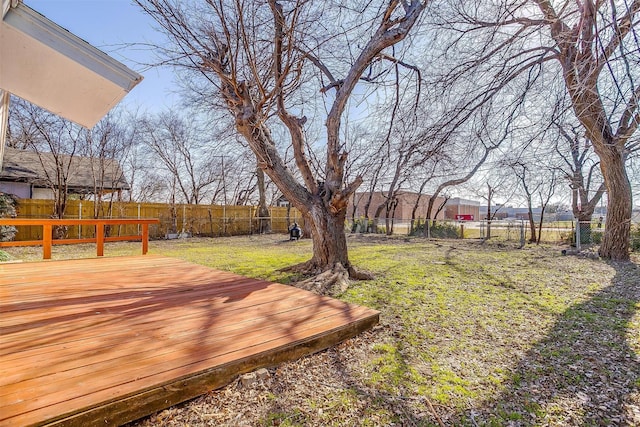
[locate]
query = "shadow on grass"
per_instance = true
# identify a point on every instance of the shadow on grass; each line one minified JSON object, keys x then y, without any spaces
{"x":583,"y":373}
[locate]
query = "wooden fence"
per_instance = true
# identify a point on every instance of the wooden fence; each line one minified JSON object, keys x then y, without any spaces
{"x":175,"y":220}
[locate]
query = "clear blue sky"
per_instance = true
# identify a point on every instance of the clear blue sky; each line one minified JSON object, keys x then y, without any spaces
{"x":113,"y":26}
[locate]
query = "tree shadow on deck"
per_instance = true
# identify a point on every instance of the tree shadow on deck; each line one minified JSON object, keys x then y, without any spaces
{"x":583,"y":373}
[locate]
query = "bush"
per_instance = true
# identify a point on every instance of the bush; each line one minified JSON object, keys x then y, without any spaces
{"x":4,"y":256}
{"x":8,"y":205}
{"x":439,"y":230}
{"x":588,"y":235}
{"x":362,"y":225}
{"x":635,"y":238}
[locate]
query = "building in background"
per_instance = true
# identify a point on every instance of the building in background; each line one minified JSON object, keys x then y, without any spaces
{"x":462,"y":209}
{"x":405,"y":201}
{"x":31,"y":175}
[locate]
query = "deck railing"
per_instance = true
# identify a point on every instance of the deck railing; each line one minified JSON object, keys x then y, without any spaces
{"x":99,"y":239}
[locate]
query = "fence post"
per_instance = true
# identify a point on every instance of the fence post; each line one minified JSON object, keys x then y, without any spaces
{"x":80,"y":217}
{"x":100,"y":238}
{"x":521,"y":234}
{"x":224,"y":219}
{"x":145,"y":238}
{"x":578,"y":237}
{"x":184,"y":220}
{"x":47,"y":231}
{"x":211,"y":222}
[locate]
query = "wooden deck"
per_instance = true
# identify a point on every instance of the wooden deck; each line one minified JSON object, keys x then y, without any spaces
{"x":106,"y":341}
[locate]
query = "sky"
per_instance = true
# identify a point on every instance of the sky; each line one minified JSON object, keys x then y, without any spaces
{"x":120,"y":29}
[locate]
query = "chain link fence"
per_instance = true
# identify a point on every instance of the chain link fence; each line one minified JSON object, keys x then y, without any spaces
{"x":510,"y":230}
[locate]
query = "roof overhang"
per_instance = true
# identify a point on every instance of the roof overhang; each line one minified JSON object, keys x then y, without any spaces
{"x":48,"y":66}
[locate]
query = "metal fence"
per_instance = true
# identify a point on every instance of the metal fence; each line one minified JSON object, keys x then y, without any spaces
{"x":506,"y":230}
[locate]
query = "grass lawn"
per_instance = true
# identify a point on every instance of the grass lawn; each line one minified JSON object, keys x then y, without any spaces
{"x":470,"y":334}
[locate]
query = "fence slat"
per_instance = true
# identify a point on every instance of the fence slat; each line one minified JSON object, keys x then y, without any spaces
{"x":196,"y":220}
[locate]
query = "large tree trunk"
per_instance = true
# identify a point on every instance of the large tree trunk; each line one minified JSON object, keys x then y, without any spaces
{"x":329,"y":239}
{"x":615,"y":242}
{"x":583,"y":54}
{"x":330,"y":261}
{"x":611,"y":152}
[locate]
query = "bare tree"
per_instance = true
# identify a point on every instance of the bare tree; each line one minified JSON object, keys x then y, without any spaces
{"x":179,"y":147}
{"x":143,"y":175}
{"x":588,"y":47}
{"x":530,"y":187}
{"x":259,"y":56}
{"x":106,"y":146}
{"x":492,"y":183}
{"x":21,"y":130}
{"x":456,"y":180}
{"x":545,"y":193}
{"x":581,"y":170}
{"x":398,"y":159}
{"x":56,"y":142}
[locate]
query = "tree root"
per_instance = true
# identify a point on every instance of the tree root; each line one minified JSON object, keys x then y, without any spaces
{"x":307,"y":268}
{"x":360,"y":274}
{"x":325,"y":281}
{"x":329,"y":282}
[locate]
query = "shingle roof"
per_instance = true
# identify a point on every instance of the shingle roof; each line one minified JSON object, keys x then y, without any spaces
{"x":39,"y":168}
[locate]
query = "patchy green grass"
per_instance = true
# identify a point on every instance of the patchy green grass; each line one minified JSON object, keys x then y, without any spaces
{"x":4,"y":256}
{"x":470,"y":334}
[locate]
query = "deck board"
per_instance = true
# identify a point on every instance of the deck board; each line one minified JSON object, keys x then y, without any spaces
{"x":105,"y":341}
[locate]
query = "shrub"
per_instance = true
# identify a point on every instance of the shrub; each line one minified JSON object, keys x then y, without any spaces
{"x":362,"y":225}
{"x":588,"y":235}
{"x":439,"y":230}
{"x":8,"y":205}
{"x":635,"y":238}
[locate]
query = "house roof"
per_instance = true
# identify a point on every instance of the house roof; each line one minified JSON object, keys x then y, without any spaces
{"x":85,"y":173}
{"x":49,"y":66}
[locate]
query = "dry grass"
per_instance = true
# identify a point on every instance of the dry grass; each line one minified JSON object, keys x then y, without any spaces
{"x":470,"y":334}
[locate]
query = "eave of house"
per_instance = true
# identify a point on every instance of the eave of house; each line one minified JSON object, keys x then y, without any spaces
{"x":47,"y":65}
{"x":84,"y":175}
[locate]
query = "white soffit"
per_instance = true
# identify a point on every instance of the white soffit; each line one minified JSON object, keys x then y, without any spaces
{"x":6,"y":4}
{"x":47,"y":65}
